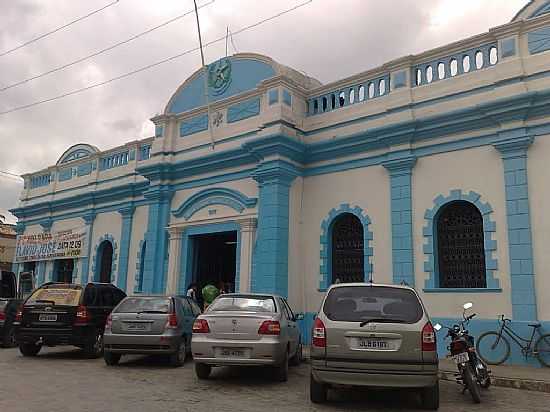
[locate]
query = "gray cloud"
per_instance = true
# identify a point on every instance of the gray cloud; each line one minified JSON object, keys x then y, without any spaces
{"x":328,"y":39}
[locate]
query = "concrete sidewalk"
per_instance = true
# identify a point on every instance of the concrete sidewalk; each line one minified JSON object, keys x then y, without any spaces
{"x":519,"y":377}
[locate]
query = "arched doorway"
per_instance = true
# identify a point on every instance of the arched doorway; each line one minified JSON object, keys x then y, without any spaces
{"x":63,"y":269}
{"x":347,"y":247}
{"x":460,"y":246}
{"x":105,"y":261}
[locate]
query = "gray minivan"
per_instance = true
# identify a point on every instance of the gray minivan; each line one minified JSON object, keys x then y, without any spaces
{"x":150,"y":325}
{"x":374,"y":335}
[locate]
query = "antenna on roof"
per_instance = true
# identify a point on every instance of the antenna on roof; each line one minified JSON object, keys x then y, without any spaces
{"x":205,"y":68}
{"x":226,"y":39}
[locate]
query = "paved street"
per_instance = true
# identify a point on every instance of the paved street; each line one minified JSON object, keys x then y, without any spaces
{"x":61,"y":380}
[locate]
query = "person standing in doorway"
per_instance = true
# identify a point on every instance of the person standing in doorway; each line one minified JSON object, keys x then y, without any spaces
{"x":192,"y":291}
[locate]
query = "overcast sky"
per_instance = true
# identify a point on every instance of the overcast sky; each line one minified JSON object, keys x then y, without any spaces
{"x":327,"y":39}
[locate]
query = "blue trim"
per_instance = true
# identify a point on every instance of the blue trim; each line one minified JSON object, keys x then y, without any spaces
{"x":214,"y":196}
{"x":140,"y":260}
{"x":463,"y":290}
{"x":96,"y":264}
{"x":125,"y":237}
{"x":114,"y":160}
{"x":520,"y":244}
{"x":65,"y":174}
{"x":399,"y":79}
{"x":508,"y":47}
{"x":270,"y":257}
{"x":85,"y":169}
{"x":194,"y":125}
{"x":430,"y":244}
{"x":400,"y":171}
{"x":243,"y":110}
{"x":187,"y":251}
{"x":539,"y":40}
{"x":325,"y":278}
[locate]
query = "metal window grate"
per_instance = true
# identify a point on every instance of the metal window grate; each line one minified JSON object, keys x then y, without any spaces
{"x":347,"y":250}
{"x":460,"y":247}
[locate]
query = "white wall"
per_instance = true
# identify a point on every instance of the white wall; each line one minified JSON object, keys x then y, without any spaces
{"x":479,"y":170}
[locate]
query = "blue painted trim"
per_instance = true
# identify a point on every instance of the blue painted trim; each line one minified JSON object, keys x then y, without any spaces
{"x":508,"y":47}
{"x":211,"y":196}
{"x":399,"y":79}
{"x":325,"y":271}
{"x":114,"y":160}
{"x":65,"y":174}
{"x":194,"y":125}
{"x":84,"y":169}
{"x":125,"y":237}
{"x":400,"y":170}
{"x":513,"y":150}
{"x":287,"y":97}
{"x":140,"y":266}
{"x":187,"y":251}
{"x":273,"y":96}
{"x":462,"y":290}
{"x":96,"y":264}
{"x":243,"y":110}
{"x":539,"y":40}
{"x":41,"y":180}
{"x":430,"y":241}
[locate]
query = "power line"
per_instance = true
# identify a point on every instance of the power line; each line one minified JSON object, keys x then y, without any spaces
{"x":58,"y":29}
{"x":97,"y":53}
{"x":158,"y":63}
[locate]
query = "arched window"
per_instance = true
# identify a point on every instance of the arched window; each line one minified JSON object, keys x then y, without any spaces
{"x":347,"y":259}
{"x":105,"y":261}
{"x":141,"y":267}
{"x":460,"y":246}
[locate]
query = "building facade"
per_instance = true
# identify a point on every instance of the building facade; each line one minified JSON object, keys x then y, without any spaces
{"x":429,"y":170}
{"x":7,"y":246}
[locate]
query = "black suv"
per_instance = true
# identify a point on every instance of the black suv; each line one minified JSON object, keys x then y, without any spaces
{"x":66,"y":314}
{"x":8,"y":308}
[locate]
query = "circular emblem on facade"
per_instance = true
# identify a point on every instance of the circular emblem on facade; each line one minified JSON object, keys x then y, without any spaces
{"x":219,"y":76}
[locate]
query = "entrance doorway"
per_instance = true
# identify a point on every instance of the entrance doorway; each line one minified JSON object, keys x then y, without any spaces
{"x":63,"y":269}
{"x":105,"y":261}
{"x":214,"y":259}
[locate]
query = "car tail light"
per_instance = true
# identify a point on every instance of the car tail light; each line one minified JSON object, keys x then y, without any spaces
{"x":2,"y":315}
{"x":270,"y":327}
{"x":172,"y":322}
{"x":319,"y":334}
{"x":428,"y":338}
{"x":109,"y":323}
{"x":82,"y":315}
{"x":201,"y":326}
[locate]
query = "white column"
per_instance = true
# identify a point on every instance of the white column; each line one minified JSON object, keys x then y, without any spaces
{"x":248,"y":235}
{"x":174,"y":252}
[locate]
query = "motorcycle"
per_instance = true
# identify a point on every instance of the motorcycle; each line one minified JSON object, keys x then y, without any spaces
{"x":472,"y":371}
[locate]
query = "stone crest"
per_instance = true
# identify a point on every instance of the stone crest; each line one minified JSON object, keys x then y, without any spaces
{"x":219,"y":76}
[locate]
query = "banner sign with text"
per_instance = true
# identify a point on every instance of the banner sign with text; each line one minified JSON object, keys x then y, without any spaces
{"x":68,"y":244}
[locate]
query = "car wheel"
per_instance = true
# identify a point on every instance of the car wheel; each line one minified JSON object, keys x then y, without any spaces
{"x":111,"y":359}
{"x":8,"y":340}
{"x":281,"y":371}
{"x":297,"y":358}
{"x":94,"y":348}
{"x":430,"y":397}
{"x":29,"y":349}
{"x":178,"y":358}
{"x":317,"y":391}
{"x":202,"y":370}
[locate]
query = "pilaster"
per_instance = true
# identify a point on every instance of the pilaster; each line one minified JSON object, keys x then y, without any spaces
{"x":175,"y":237}
{"x":513,"y":149}
{"x":248,"y":234}
{"x":400,"y":172}
{"x":41,"y":266}
{"x":89,"y":221}
{"x":127,"y":214}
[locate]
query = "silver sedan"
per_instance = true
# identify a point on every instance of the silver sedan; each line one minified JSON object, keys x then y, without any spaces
{"x":244,"y":330}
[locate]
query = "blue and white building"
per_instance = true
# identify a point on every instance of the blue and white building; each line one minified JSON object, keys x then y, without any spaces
{"x":430,"y":170}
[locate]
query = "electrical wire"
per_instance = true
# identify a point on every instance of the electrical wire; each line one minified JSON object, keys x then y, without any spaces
{"x":106,"y":49}
{"x":35,"y":39}
{"x":158,"y":63}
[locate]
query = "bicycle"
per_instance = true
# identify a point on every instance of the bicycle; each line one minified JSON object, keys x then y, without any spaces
{"x":494,"y":348}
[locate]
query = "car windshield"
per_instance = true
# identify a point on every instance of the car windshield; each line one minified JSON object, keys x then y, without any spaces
{"x":55,"y":296}
{"x":372,"y":303}
{"x":144,"y":304}
{"x":243,"y":304}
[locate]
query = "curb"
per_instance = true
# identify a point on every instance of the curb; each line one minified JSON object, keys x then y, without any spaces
{"x":516,"y":383}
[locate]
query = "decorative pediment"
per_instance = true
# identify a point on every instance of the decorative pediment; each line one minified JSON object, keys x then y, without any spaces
{"x":214,"y":196}
{"x":76,"y":152}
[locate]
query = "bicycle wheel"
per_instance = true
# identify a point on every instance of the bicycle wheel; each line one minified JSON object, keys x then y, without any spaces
{"x":542,"y":350}
{"x":493,"y":348}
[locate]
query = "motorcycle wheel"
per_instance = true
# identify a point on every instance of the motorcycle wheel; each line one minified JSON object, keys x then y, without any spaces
{"x":471,"y":383}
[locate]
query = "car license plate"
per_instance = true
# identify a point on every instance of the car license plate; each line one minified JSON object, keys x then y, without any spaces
{"x":461,"y":358}
{"x":375,"y":344}
{"x":138,"y":327}
{"x":232,"y":353}
{"x":47,"y":317}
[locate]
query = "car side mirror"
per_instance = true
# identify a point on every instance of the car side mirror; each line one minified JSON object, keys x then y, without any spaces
{"x":299,"y":316}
